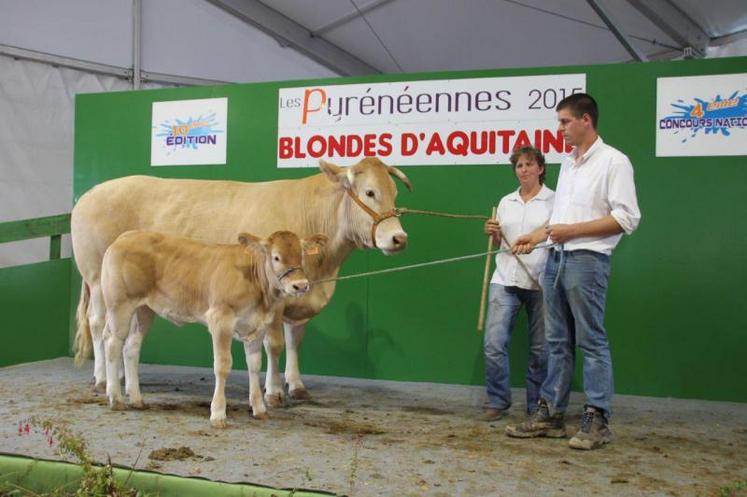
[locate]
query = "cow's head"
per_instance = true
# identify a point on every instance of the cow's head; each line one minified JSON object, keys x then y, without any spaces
{"x":283,"y":254}
{"x":371,"y":218}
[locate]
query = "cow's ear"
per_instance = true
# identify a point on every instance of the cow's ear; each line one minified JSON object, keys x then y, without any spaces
{"x":349,"y":179}
{"x":313,"y":244}
{"x":337,"y":174}
{"x":399,"y":174}
{"x":248,"y":240}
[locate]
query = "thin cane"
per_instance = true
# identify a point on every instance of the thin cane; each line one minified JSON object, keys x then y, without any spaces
{"x":481,"y":318}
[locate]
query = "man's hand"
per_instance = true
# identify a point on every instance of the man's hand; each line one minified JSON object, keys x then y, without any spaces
{"x":526,"y":243}
{"x":561,"y":233}
{"x":493,"y":228}
{"x":523,"y":245}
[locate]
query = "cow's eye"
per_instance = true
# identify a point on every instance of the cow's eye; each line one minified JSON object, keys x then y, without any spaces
{"x":276,"y":258}
{"x":370,"y":193}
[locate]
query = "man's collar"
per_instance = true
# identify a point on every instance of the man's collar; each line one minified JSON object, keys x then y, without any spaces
{"x":598,"y":143}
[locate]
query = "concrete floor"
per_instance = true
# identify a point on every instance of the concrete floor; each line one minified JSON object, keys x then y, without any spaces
{"x":377,"y":438}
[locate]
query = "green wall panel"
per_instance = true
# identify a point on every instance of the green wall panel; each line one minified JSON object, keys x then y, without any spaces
{"x":34,"y":305}
{"x":675,"y":305}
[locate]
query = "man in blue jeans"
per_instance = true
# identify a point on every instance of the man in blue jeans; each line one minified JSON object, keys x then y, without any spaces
{"x":595,"y":203}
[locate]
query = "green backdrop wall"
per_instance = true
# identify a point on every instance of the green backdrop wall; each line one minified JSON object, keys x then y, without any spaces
{"x":675,"y":312}
{"x":34,"y":304}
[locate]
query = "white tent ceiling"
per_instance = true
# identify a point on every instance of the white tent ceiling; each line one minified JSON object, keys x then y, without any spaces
{"x":437,"y":35}
{"x":442,"y":35}
{"x":259,"y":40}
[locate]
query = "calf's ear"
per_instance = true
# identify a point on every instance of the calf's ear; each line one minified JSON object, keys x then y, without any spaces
{"x":313,"y":244}
{"x":319,"y":239}
{"x":247,"y":239}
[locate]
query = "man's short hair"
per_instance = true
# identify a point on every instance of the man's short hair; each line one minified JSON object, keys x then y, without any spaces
{"x":531,"y":152}
{"x":580,"y":104}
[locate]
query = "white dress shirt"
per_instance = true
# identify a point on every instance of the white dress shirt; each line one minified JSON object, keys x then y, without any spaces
{"x":517,"y":218}
{"x":597,"y":184}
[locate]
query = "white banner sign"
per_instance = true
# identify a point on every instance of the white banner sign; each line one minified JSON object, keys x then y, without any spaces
{"x":188,"y":132}
{"x":701,"y":115}
{"x":459,"y":121}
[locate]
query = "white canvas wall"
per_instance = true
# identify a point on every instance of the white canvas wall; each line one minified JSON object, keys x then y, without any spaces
{"x":36,"y":146}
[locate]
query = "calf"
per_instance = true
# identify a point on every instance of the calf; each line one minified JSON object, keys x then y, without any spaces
{"x":236,"y":290}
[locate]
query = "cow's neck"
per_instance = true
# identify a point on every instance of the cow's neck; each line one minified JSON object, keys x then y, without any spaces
{"x":325,"y":212}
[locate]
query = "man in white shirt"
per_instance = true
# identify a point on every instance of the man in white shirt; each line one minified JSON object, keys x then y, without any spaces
{"x":515,"y":284}
{"x":595,"y":204}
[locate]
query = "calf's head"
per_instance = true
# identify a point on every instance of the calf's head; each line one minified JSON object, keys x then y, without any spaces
{"x":371,"y":219}
{"x":282,"y":253}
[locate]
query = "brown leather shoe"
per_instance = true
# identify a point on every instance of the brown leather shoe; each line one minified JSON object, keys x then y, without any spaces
{"x":493,"y":414}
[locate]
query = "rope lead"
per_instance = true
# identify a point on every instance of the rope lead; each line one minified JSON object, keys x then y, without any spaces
{"x":424,"y":264}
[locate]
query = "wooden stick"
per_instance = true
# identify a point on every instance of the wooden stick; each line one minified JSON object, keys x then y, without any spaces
{"x":481,"y":318}
{"x":518,"y":259}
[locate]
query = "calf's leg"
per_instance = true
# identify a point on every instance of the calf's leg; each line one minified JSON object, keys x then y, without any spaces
{"x":253,"y":352}
{"x":117,"y":329}
{"x":140,"y":326}
{"x":221,"y":325}
{"x":273,"y":341}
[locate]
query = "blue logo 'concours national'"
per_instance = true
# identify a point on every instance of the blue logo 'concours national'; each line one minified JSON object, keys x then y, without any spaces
{"x":714,"y":116}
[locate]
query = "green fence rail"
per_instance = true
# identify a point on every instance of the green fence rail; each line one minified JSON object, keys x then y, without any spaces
{"x":52,"y":226}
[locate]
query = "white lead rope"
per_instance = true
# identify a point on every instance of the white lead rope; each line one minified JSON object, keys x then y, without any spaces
{"x":430,"y":263}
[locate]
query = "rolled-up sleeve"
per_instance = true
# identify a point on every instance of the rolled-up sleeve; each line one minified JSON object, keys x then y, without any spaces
{"x":622,"y":196}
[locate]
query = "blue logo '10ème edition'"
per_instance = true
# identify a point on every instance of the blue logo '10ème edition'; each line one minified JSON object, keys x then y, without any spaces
{"x":190,"y":133}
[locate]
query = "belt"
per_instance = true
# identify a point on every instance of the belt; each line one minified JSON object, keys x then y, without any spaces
{"x":559,"y":254}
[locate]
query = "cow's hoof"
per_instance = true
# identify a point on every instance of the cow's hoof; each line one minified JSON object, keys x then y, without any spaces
{"x":99,"y":387}
{"x":299,"y":394}
{"x":260,"y":415}
{"x":139,"y":405}
{"x":275,"y":400}
{"x":219,"y":423}
{"x":117,"y":405}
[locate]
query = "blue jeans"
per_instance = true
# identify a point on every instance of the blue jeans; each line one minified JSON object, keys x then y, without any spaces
{"x":505,"y":302}
{"x":574,"y":316}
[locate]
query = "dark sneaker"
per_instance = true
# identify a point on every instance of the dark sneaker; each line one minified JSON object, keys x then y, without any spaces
{"x":594,"y":431}
{"x":493,"y":414}
{"x":539,"y":424}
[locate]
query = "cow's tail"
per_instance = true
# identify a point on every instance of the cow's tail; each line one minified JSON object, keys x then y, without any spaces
{"x":83,"y":334}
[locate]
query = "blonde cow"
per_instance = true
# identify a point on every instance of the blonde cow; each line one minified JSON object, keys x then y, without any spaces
{"x":352,"y":206}
{"x":236,"y":290}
